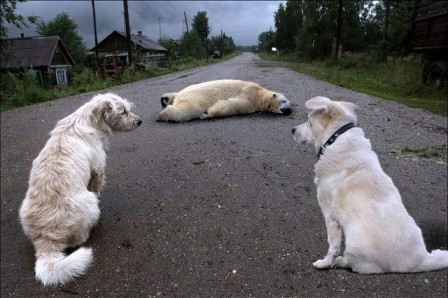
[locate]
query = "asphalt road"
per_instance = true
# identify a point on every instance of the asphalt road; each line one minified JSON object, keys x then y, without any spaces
{"x":225,"y":207}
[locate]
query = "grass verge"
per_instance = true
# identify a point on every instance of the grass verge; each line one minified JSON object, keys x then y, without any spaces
{"x":394,"y":79}
{"x":17,"y":91}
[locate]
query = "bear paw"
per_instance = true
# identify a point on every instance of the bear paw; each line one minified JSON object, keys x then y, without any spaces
{"x":205,"y":115}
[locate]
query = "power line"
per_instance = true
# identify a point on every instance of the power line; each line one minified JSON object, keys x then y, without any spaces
{"x":169,"y":11}
{"x":175,"y":8}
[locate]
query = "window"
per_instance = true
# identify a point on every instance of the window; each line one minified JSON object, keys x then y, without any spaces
{"x":61,"y":76}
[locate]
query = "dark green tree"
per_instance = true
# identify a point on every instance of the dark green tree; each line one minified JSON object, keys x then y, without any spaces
{"x":266,"y":41}
{"x":191,"y":45}
{"x":173,"y":47}
{"x":200,"y":25}
{"x":281,"y":39}
{"x":319,"y":28}
{"x":288,"y":23}
{"x":398,"y":26}
{"x":353,"y":35}
{"x":229,"y":44}
{"x":309,"y":27}
{"x":64,"y":27}
{"x":371,"y":18}
{"x":216,"y":43}
{"x":387,"y":28}
{"x":222,"y":43}
{"x":8,"y":15}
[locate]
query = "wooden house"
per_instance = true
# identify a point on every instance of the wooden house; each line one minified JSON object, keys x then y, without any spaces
{"x":115,"y":43}
{"x":46,"y":55}
{"x":116,"y":58}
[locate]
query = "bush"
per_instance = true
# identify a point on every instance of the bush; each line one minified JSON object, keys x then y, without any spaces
{"x":398,"y":79}
{"x":352,"y":60}
{"x":22,"y":89}
{"x":25,"y":89}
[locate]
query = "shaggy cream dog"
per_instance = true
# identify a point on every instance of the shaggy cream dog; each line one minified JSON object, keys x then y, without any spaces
{"x":359,"y":200}
{"x":61,"y":204}
{"x":219,"y":99}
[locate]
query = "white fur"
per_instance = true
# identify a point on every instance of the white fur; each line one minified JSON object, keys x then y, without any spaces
{"x":360,"y":201}
{"x":61,"y":204}
{"x":221,"y":98}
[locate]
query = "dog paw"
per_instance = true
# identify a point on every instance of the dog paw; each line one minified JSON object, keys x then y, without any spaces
{"x":204,"y":115}
{"x":322,"y":264}
{"x":341,"y":262}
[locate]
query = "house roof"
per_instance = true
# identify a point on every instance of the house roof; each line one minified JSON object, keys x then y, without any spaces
{"x":140,"y":40}
{"x":35,"y":51}
{"x":145,"y":42}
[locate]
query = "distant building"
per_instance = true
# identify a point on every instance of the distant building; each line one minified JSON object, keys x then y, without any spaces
{"x":46,"y":55}
{"x":115,"y":43}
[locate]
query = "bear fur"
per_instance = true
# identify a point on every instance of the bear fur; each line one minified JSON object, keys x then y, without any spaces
{"x":219,"y":99}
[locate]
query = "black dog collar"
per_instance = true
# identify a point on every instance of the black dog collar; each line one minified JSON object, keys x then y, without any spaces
{"x":335,"y":136}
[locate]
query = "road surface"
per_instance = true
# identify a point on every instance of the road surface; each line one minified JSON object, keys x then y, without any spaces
{"x":225,"y":207}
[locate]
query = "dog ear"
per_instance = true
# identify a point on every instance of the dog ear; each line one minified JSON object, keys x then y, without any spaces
{"x":318,"y":103}
{"x":325,"y":105}
{"x":102,"y":110}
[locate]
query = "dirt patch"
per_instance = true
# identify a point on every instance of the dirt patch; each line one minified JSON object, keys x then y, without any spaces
{"x":437,"y":154}
{"x":264,"y":63}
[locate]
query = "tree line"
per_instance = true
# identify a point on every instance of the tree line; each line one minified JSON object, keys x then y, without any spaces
{"x":311,"y":28}
{"x":195,"y":43}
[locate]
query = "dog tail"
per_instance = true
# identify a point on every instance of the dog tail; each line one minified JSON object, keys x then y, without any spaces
{"x":56,"y":268}
{"x":436,"y":260}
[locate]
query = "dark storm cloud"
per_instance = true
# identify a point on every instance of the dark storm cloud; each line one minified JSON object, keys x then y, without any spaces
{"x":242,"y":20}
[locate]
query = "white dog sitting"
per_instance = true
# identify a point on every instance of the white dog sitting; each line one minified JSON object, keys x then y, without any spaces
{"x":66,"y":178}
{"x":358,"y":199}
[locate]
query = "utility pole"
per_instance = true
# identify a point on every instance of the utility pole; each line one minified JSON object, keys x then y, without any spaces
{"x":206,"y":42}
{"x":186,"y":23}
{"x":96,"y":36}
{"x":222,"y":46}
{"x":128,"y":31}
{"x":206,"y":47}
{"x":160,"y":31}
{"x":386,"y":19}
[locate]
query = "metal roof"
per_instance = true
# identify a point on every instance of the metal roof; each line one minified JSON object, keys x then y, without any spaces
{"x":35,"y":51}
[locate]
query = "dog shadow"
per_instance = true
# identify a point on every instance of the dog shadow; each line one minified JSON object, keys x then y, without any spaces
{"x":435,"y":235}
{"x":93,"y":237}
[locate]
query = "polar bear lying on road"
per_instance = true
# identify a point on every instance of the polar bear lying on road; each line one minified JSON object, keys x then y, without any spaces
{"x":221,"y":98}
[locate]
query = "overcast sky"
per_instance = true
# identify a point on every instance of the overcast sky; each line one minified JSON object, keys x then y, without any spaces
{"x":242,"y":20}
